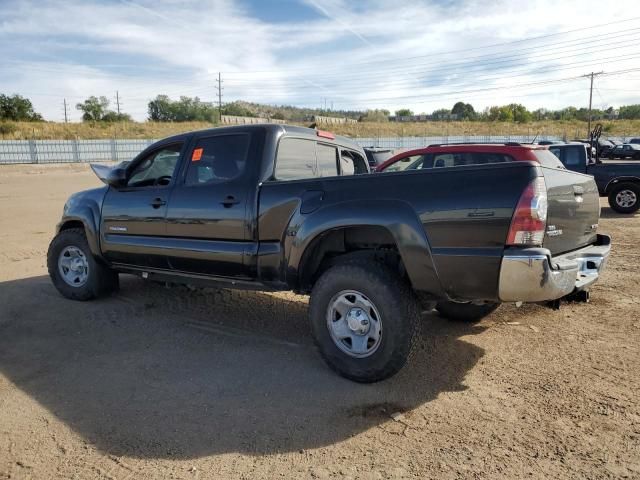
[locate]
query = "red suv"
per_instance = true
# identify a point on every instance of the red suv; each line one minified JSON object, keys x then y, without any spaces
{"x":453,"y":155}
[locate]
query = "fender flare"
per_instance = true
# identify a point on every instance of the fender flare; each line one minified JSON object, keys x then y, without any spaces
{"x":614,"y":181}
{"x":395,"y":216}
{"x":86,"y":212}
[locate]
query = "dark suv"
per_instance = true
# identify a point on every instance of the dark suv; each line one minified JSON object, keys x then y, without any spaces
{"x":626,"y":150}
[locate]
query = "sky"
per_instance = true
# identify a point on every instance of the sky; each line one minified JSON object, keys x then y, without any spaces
{"x":422,"y":55}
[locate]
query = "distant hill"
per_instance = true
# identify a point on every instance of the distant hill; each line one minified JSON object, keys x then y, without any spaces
{"x":284,"y":112}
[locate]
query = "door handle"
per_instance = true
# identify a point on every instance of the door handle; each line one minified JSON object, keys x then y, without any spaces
{"x":578,"y":190}
{"x":158,"y":202}
{"x":229,"y":201}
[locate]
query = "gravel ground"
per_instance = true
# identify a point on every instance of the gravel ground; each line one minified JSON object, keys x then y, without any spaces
{"x":174,"y":383}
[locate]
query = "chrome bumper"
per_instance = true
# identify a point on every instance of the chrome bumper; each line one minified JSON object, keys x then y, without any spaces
{"x":532,"y":275}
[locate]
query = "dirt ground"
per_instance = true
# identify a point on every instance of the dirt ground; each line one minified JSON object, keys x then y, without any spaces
{"x":174,"y":383}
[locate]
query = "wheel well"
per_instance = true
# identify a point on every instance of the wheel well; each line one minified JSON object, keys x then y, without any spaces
{"x":621,"y":181}
{"x":344,"y":244}
{"x":72,"y":224}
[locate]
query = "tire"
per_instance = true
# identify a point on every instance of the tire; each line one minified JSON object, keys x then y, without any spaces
{"x":465,"y":312}
{"x":383,"y":298}
{"x":86,"y":279}
{"x":625,"y":197}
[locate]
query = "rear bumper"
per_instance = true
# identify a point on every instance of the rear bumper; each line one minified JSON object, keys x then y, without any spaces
{"x":532,"y":275}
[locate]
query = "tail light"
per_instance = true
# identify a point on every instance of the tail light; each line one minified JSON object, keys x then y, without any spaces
{"x":530,"y":218}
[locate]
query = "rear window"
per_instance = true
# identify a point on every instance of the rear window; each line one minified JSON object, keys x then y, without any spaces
{"x":299,"y":159}
{"x":468,"y":158}
{"x":547,"y":159}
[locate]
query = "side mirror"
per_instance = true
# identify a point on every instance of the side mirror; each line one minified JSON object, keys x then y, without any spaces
{"x":117,"y":177}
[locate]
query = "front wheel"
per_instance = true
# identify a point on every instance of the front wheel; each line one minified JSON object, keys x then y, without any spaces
{"x":624,"y":198}
{"x":73,"y":270}
{"x":465,"y":312}
{"x":364,"y":320}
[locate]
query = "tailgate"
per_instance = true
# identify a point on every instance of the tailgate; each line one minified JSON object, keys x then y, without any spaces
{"x":574,"y":210}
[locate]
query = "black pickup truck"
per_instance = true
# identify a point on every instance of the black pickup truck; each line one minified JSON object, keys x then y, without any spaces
{"x":619,"y":181}
{"x":274,"y":207}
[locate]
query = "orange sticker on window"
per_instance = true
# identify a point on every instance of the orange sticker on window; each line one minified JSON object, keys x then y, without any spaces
{"x":197,"y":155}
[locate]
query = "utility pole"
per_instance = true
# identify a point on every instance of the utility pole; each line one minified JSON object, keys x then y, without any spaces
{"x":64,"y":102}
{"x":118,"y":103}
{"x":219,"y":87}
{"x":592,"y":74}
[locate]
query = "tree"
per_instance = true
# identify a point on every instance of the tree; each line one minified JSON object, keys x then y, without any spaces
{"x":464,"y":111}
{"x":404,"y":112}
{"x":520,"y":113}
{"x":238,"y":110}
{"x":540,"y":114}
{"x":187,"y":109}
{"x":160,"y":109}
{"x":630,"y":112}
{"x":93,"y":108}
{"x":17,"y":108}
{"x":375,"y":116}
{"x":441,"y":114}
{"x":112,"y":116}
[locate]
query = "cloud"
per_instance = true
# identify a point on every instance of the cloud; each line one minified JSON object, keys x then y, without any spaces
{"x":379,"y":54}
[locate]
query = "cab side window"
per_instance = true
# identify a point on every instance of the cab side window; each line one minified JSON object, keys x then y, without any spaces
{"x":327,"y":159}
{"x":157,"y":169}
{"x":296,"y":159}
{"x":218,"y":159}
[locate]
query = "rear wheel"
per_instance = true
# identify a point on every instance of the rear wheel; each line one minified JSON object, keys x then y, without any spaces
{"x":624,"y":198}
{"x":465,"y":312}
{"x":73,"y":270}
{"x":364,"y":320}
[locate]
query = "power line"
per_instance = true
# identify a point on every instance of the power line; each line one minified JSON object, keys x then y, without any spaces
{"x":466,"y":62}
{"x":502,"y":75}
{"x":528,"y":39}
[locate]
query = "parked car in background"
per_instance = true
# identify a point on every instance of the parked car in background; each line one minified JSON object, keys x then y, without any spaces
{"x":277,"y":207}
{"x":635,"y":141}
{"x":620,"y":182}
{"x":377,"y":156}
{"x":450,"y":155}
{"x":604,"y":146}
{"x":626,"y":150}
{"x":549,"y":142}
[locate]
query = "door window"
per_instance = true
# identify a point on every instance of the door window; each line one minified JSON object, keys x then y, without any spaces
{"x":413,"y":162}
{"x":217,"y":159}
{"x":156,"y":169}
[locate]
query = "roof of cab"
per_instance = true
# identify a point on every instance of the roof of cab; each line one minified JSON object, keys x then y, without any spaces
{"x":292,"y":130}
